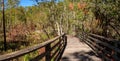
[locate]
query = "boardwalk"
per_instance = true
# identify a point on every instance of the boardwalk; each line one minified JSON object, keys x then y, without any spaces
{"x":78,"y":51}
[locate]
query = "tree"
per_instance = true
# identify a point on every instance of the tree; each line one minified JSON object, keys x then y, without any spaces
{"x":4,"y":25}
{"x":107,"y":13}
{"x":12,"y":3}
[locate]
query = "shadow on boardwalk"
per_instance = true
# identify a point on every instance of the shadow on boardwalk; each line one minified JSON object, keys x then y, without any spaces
{"x":80,"y":56}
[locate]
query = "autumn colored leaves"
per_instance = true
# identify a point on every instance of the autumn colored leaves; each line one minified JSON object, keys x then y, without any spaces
{"x":80,"y":6}
{"x":71,"y":7}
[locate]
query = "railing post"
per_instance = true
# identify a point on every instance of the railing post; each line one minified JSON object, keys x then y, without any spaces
{"x":116,"y":45}
{"x":65,"y":39}
{"x":48,"y":51}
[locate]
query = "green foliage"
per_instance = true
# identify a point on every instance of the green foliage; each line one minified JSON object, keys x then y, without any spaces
{"x":12,"y":3}
{"x":27,"y":57}
{"x":107,"y":12}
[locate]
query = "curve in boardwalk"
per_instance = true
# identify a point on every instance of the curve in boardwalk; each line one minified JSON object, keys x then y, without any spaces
{"x":78,"y":51}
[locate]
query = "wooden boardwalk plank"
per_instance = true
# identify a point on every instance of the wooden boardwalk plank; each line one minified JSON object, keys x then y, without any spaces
{"x":78,"y":51}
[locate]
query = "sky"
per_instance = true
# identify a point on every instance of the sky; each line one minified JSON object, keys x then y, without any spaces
{"x":29,"y":2}
{"x":26,"y":3}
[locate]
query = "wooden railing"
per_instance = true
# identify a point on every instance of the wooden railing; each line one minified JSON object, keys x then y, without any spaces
{"x":53,"y":50}
{"x":108,"y":49}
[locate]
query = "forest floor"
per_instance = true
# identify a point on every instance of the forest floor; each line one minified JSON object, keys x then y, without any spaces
{"x":77,"y":50}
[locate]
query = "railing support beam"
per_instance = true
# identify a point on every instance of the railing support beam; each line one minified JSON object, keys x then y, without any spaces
{"x":48,"y":51}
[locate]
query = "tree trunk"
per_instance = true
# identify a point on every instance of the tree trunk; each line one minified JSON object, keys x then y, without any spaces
{"x":4,"y":27}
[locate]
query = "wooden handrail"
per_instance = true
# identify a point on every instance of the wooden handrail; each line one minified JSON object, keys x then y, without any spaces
{"x":27,"y":50}
{"x":102,"y":37}
{"x":107,"y":46}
